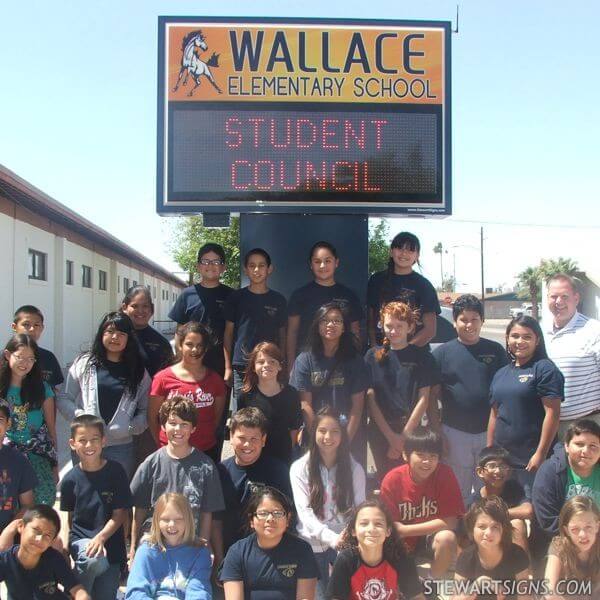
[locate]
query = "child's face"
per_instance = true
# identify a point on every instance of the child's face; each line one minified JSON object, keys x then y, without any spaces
{"x":210,"y":267}
{"x":328,"y":435}
{"x":87,"y":443}
{"x":257,"y":269}
{"x":192,"y":349}
{"x":172,"y":525}
{"x":422,"y":464}
{"x":20,"y":361}
{"x":4,"y":425}
{"x":371,"y":527}
{"x":323,"y":264}
{"x":582,"y":530}
{"x":331,"y":326}
{"x":522,"y":343}
{"x":37,"y":536}
{"x":583,"y":451}
{"x":113,"y":340}
{"x":270,"y":520}
{"x":468,"y":326}
{"x":29,"y":323}
{"x":494,"y":474}
{"x":487,"y":533}
{"x":178,"y":431}
{"x":139,"y":310}
{"x":247,"y":444}
{"x":404,"y":258}
{"x":266,"y":367}
{"x":395,"y":330}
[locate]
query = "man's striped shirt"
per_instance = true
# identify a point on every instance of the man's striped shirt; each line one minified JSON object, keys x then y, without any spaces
{"x":575,"y":349}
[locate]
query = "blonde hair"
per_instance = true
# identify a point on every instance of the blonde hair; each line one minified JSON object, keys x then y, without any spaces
{"x":182,"y":505}
{"x":566,"y":549}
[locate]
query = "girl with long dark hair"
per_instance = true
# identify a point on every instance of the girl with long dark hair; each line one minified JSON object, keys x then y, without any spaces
{"x":327,"y":484}
{"x":110,"y":382}
{"x":525,"y":397}
{"x":332,"y":372}
{"x":401,"y":283}
{"x":31,"y":400}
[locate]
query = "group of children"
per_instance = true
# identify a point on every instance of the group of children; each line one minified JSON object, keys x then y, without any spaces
{"x":302,"y":406}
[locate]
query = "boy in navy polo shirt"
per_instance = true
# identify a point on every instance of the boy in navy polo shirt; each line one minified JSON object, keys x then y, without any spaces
{"x":96,"y":495}
{"x":29,"y":319}
{"x":467,"y":366}
{"x":253,"y":314}
{"x":17,"y":477}
{"x":32,"y":570}
{"x":424,"y":499}
{"x":240,"y":474}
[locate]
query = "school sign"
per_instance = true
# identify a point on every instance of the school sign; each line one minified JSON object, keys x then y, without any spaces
{"x":319,"y":116}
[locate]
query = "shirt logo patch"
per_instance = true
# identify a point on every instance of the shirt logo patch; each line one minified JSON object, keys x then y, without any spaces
{"x":488,"y":359}
{"x":525,"y":377}
{"x":426,"y":508}
{"x":271,"y":310}
{"x":318,"y":378}
{"x":107,"y":497}
{"x":48,"y":587}
{"x":287,"y":570}
{"x":375,"y":589}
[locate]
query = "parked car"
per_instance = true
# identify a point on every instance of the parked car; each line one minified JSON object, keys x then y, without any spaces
{"x":525,"y":309}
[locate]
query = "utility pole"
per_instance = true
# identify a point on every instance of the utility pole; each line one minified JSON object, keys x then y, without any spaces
{"x":481,"y":250}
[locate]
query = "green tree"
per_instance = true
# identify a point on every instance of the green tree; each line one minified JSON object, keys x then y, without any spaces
{"x":529,"y":282}
{"x":379,"y":246}
{"x":189,"y":233}
{"x":439,"y":249}
{"x":551,"y":266}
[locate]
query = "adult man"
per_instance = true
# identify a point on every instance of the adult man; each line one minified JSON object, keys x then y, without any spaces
{"x":573,"y":343}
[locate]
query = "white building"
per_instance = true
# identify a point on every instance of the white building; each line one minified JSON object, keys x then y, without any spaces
{"x":72,"y":270}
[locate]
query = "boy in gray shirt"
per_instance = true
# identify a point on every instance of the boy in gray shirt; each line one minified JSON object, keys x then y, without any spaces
{"x":178,"y":467}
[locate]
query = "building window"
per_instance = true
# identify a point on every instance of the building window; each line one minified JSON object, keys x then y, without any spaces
{"x":102,"y":280}
{"x":154,"y":292}
{"x":118,"y":284}
{"x":86,"y":276}
{"x":69,"y":272}
{"x":125,"y":284}
{"x":37,"y":265}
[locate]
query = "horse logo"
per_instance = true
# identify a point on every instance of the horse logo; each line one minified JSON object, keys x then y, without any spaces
{"x":194,"y":43}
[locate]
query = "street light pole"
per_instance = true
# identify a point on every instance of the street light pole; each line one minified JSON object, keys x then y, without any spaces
{"x":481,"y":250}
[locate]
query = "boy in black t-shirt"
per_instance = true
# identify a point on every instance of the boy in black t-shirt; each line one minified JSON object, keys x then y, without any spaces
{"x":494,"y":470}
{"x":252,"y":314}
{"x":32,"y":570}
{"x":29,"y":319}
{"x":467,"y":366}
{"x":96,"y":495}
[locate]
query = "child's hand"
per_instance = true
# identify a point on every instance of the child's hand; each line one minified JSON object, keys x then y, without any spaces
{"x":55,"y":474}
{"x":96,"y":547}
{"x":396,"y":446}
{"x":534,"y":463}
{"x":228,"y":377}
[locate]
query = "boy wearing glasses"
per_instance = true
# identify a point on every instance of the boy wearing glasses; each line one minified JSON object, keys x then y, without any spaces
{"x":253,"y":314}
{"x":204,"y":302}
{"x":494,"y":471}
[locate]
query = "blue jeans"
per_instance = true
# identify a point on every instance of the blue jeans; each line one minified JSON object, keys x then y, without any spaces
{"x":99,"y":578}
{"x":324,"y":561}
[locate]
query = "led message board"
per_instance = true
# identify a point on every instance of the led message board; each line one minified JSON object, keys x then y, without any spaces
{"x":303,"y":116}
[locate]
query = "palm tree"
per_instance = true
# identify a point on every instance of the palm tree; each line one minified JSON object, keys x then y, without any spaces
{"x":550,"y":267}
{"x":529,"y":281}
{"x":439,"y":249}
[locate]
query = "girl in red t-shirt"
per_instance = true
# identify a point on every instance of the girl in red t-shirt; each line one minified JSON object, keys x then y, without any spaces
{"x":373,"y":562}
{"x":190,"y":378}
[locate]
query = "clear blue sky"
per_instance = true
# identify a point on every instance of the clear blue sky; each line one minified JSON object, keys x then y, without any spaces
{"x":78,"y":119}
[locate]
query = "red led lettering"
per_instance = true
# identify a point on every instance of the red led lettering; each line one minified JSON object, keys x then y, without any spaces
{"x":367,"y":185}
{"x":312,"y":177}
{"x":255,"y":122}
{"x":343,"y":166}
{"x":234,"y":175}
{"x":267,"y":182}
{"x":378,"y":125}
{"x":288,"y":135}
{"x":350,"y":132}
{"x":236,"y":142}
{"x":282,"y":176}
{"x":309,"y":129}
{"x":326,"y":134}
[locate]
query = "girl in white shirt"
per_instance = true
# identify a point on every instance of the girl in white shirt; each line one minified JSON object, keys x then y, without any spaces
{"x":327,"y":484}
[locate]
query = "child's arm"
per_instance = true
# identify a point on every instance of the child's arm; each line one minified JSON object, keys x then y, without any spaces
{"x":458,"y":577}
{"x":491,"y":428}
{"x":292,"y":338}
{"x":282,"y":346}
{"x":418,"y":411}
{"x":552,"y":575}
{"x":95,"y":546}
{"x":523,"y":511}
{"x":307,"y":409}
{"x":372,"y":326}
{"x":227,"y":349}
{"x":7,"y":537}
{"x":434,"y":414}
{"x":523,"y":575}
{"x":234,"y":590}
{"x":425,"y":528}
{"x":549,"y":430}
{"x":305,"y":589}
{"x":139,"y":516}
{"x":139,"y":422}
{"x":152,"y":415}
{"x":205,"y":525}
{"x":354,"y":419}
{"x":395,"y":440}
{"x":26,"y":501}
{"x":50,"y":417}
{"x":216,"y":540}
{"x":425,"y":335}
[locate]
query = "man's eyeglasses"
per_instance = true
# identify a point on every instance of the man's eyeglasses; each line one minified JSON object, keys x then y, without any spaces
{"x":217,"y":262}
